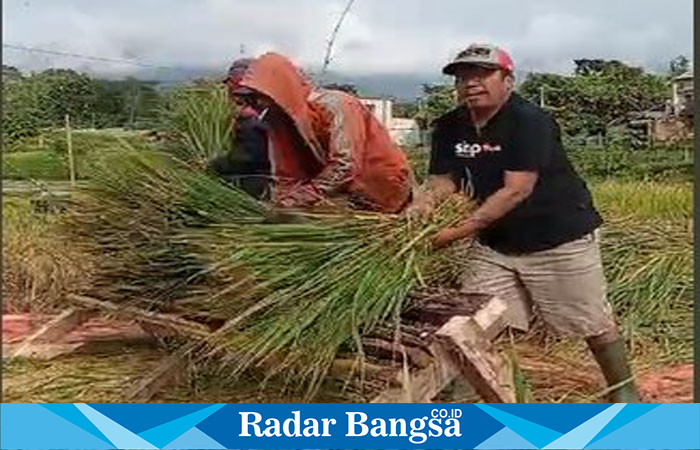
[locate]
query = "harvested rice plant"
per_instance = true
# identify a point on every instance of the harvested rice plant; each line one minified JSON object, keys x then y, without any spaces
{"x":285,"y":302}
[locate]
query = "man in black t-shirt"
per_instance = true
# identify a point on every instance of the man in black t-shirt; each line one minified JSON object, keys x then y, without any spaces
{"x":535,"y":230}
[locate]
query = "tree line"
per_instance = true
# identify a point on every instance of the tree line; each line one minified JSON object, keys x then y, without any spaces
{"x":41,"y":100}
{"x":597,"y":94}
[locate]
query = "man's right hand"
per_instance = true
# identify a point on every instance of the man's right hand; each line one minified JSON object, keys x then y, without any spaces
{"x":422,"y":207}
{"x":429,"y":195}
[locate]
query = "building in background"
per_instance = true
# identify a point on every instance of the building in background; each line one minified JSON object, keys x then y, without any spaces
{"x":669,"y":123}
{"x":683,"y":97}
{"x":403,"y":131}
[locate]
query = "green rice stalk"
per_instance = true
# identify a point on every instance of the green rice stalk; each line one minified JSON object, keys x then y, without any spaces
{"x":201,"y":117}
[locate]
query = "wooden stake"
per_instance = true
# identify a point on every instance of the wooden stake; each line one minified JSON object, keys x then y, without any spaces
{"x":69,"y":143}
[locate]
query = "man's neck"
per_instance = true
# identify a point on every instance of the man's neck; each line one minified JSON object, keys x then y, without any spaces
{"x":481,"y":116}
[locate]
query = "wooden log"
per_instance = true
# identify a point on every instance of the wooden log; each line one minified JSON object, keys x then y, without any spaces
{"x":449,"y":355}
{"x":460,"y":347}
{"x":437,"y":306}
{"x":42,"y":343}
{"x":395,"y":351}
{"x":166,"y":321}
{"x":492,"y":318}
{"x":423,"y":384}
{"x":478,"y":362}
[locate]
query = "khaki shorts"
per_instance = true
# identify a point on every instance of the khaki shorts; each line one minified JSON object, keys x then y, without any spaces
{"x":564,"y":285}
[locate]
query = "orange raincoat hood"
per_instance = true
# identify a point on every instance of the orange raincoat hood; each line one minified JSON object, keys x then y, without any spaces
{"x":336,"y":145}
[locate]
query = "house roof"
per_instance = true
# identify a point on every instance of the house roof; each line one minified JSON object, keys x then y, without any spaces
{"x":685,"y":76}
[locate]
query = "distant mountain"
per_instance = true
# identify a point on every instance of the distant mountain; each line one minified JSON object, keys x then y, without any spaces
{"x":400,"y":86}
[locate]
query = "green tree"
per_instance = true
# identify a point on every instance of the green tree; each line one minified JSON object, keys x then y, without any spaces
{"x":437,"y":99}
{"x":678,"y":66}
{"x":22,"y":112}
{"x":405,"y":109}
{"x":36,"y":101}
{"x":10,"y":73}
{"x":68,"y":92}
{"x":599,"y":94}
{"x":126,"y":103}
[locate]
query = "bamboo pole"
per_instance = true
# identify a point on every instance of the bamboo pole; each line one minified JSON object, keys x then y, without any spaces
{"x":69,"y":143}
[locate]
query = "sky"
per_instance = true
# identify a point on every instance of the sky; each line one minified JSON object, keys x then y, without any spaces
{"x":408,"y":37}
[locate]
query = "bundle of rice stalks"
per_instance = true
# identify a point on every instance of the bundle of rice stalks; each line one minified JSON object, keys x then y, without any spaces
{"x":201,"y":117}
{"x":292,"y":293}
{"x":39,"y":268}
{"x":328,"y":280}
{"x":131,"y":213}
{"x":647,"y":251}
{"x":649,"y":267}
{"x":98,"y":377}
{"x":565,"y":374}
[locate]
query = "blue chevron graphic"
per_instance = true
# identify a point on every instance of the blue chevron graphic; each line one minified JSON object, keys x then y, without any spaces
{"x":139,"y":420}
{"x":72,"y":414}
{"x":629,"y":413}
{"x":29,"y":425}
{"x":163,"y":434}
{"x":531,"y":432}
{"x":541,"y":414}
{"x":582,"y":435}
{"x":675,"y":426}
{"x":120,"y":436}
{"x":194,"y":439}
{"x":505,"y":439}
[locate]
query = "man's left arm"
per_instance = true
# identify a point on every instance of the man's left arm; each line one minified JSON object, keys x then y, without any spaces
{"x":529,"y":152}
{"x":518,"y":186}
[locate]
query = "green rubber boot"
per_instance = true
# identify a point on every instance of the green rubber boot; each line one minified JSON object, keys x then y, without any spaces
{"x":612,"y":359}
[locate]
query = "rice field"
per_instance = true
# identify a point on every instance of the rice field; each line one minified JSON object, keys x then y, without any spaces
{"x":649,"y":266}
{"x":39,"y":265}
{"x":153,"y":229}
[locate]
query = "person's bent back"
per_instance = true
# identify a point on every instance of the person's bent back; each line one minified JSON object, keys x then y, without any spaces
{"x":325,"y":144}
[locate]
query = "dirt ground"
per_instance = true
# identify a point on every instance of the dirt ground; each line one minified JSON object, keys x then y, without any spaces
{"x":671,"y":385}
{"x":117,"y":353}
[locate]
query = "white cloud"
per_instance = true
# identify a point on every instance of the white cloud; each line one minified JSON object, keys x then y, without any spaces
{"x":408,"y":36}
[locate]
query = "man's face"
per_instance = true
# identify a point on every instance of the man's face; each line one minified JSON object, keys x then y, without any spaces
{"x":259,"y":102}
{"x":482,"y":87}
{"x":231,"y":86}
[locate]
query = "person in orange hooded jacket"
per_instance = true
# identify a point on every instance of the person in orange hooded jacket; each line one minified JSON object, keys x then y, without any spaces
{"x":324,"y":144}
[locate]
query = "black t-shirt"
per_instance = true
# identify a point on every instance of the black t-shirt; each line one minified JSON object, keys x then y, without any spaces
{"x":520,"y":137}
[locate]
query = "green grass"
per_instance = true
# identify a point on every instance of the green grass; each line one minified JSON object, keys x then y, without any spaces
{"x":645,"y":200}
{"x":83,"y":141}
{"x":648,"y":256}
{"x":667,"y":163}
{"x":38,"y":165}
{"x":47,"y":159}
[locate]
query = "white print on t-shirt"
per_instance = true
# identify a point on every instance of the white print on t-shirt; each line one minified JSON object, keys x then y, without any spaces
{"x":466,"y":150}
